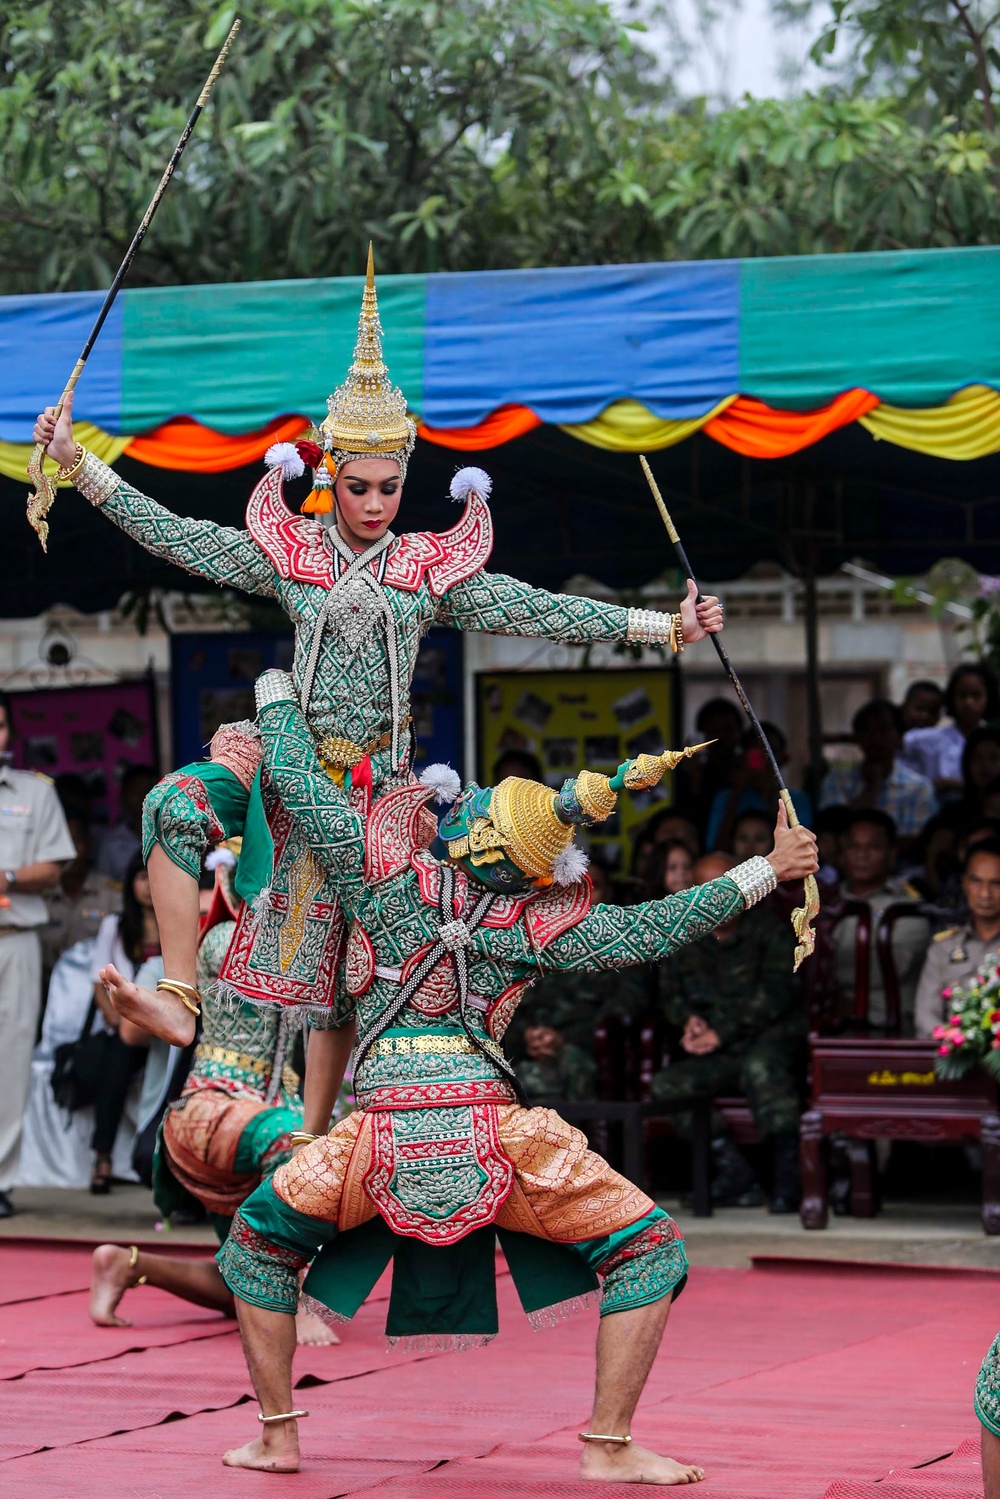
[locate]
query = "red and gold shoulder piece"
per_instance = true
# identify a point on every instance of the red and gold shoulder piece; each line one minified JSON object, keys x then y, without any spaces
{"x":294,"y":543}
{"x":556,"y":911}
{"x":502,"y":914}
{"x":444,"y":558}
{"x":394,"y":831}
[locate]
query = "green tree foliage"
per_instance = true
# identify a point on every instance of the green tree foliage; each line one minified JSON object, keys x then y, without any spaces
{"x":464,"y":134}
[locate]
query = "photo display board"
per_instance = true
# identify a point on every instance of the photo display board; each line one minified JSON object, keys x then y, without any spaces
{"x":573,"y":720}
{"x":95,"y":732}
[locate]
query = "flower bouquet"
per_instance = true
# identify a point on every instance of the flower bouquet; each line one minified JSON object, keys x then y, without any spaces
{"x":970,"y":1036}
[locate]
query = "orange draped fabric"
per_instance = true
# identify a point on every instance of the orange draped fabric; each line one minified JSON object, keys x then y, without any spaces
{"x":500,"y":426}
{"x":757,"y":431}
{"x":185,"y":444}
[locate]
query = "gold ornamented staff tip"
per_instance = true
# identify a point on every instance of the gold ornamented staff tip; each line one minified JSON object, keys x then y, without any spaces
{"x":657,"y":496}
{"x":217,"y":66}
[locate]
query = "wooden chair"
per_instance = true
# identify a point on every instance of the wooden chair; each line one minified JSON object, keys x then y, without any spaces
{"x":870,"y":1083}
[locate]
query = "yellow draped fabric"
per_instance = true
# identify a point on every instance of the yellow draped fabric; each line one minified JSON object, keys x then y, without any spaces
{"x":966,"y":426}
{"x":14,"y":455}
{"x":629,"y":427}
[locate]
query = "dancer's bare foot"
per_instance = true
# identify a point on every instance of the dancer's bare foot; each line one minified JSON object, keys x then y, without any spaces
{"x":277,"y":1453}
{"x":312,"y":1331}
{"x":633,"y":1464}
{"x":110,"y":1278}
{"x":158,"y":1011}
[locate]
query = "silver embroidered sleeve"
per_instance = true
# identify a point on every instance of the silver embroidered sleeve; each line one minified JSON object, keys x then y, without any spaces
{"x":754,"y":878}
{"x":222,"y":554}
{"x":648,"y":627}
{"x":274,"y":687}
{"x":502,"y":605}
{"x":95,"y":480}
{"x":620,"y":936}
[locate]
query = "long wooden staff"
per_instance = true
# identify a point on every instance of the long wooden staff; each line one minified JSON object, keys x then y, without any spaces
{"x":803,"y":916}
{"x":43,"y":494}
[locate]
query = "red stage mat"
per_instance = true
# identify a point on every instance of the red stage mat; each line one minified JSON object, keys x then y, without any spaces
{"x":784,"y":1383}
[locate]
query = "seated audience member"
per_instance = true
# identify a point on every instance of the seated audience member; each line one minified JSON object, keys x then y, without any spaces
{"x":970,"y":699}
{"x":956,"y":953}
{"x":671,"y":867}
{"x":130,"y":939}
{"x":742,"y":1019}
{"x":752,"y":789}
{"x":949,"y":907}
{"x":664,"y":826}
{"x":753,"y":834}
{"x":516,"y":762}
{"x":980,"y":767}
{"x":123,"y":842}
{"x":936,"y":859}
{"x":551,"y":1039}
{"x":921,"y":708}
{"x":830,"y":826}
{"x":881,"y":780}
{"x":867,"y":856}
{"x":697,"y":782}
{"x":80,"y":901}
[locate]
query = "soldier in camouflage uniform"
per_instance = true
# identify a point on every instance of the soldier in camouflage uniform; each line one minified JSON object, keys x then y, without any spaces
{"x":552,"y":1035}
{"x":739,"y":1008}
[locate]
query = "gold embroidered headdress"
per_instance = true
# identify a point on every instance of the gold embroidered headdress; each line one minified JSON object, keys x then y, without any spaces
{"x":366,"y":416}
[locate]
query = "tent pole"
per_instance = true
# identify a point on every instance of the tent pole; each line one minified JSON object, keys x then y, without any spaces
{"x":813,"y":712}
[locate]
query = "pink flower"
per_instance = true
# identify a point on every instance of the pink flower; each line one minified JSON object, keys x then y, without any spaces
{"x":947,"y":993}
{"x":943,"y":1051}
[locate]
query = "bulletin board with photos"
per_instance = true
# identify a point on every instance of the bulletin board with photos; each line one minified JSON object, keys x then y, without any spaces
{"x":93,"y":731}
{"x":587,"y":719}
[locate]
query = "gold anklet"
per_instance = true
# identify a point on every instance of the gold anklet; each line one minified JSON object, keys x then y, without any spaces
{"x":188,"y":995}
{"x":133,"y":1260}
{"x":593,"y":1436}
{"x":285,"y":1416}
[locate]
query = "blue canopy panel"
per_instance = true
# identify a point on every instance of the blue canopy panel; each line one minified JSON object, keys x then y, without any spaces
{"x":568,"y":342}
{"x":40,"y":338}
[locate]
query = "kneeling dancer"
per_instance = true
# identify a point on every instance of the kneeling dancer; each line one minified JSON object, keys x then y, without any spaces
{"x":440,"y":1157}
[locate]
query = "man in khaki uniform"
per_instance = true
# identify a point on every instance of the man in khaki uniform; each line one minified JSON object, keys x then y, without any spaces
{"x":956,"y":954}
{"x":34,"y":844}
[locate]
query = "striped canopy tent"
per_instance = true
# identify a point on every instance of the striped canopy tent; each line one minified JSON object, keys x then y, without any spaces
{"x":741,"y":375}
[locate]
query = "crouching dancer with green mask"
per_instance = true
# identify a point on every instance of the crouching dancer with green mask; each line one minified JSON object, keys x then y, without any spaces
{"x":440,"y":1158}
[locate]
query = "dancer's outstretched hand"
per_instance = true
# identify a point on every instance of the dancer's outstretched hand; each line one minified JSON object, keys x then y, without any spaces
{"x":794,"y":854}
{"x":57,"y":436}
{"x":701,"y":619}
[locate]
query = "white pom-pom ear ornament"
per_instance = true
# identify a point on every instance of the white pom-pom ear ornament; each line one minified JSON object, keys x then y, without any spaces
{"x":286,"y":456}
{"x":220,"y":858}
{"x":469,"y":479}
{"x":571,"y":865}
{"x":443,"y":781}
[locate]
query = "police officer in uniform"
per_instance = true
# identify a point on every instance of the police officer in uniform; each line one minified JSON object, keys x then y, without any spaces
{"x":34,"y":844}
{"x":956,"y":954}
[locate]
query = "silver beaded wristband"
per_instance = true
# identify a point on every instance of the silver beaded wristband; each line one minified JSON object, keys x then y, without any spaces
{"x":274,"y":687}
{"x":755,"y":879}
{"x":648,"y":627}
{"x":95,"y":480}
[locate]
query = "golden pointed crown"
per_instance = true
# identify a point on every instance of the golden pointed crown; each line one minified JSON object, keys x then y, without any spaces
{"x":366,"y":416}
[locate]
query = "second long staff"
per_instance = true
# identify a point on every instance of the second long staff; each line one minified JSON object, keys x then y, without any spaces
{"x":803,"y":916}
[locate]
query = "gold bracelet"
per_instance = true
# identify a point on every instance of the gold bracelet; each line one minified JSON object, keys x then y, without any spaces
{"x":133,"y":1260}
{"x":188,"y":995}
{"x":67,"y":471}
{"x":302,"y":1137}
{"x":676,"y":634}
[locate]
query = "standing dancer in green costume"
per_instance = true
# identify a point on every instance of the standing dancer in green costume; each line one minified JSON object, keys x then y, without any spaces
{"x":440,"y":1157}
{"x":360,"y":599}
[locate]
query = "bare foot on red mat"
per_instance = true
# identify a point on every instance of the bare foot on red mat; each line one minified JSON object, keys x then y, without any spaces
{"x":110,"y":1278}
{"x":277,"y":1453}
{"x":609,"y":1463}
{"x":312,"y":1332}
